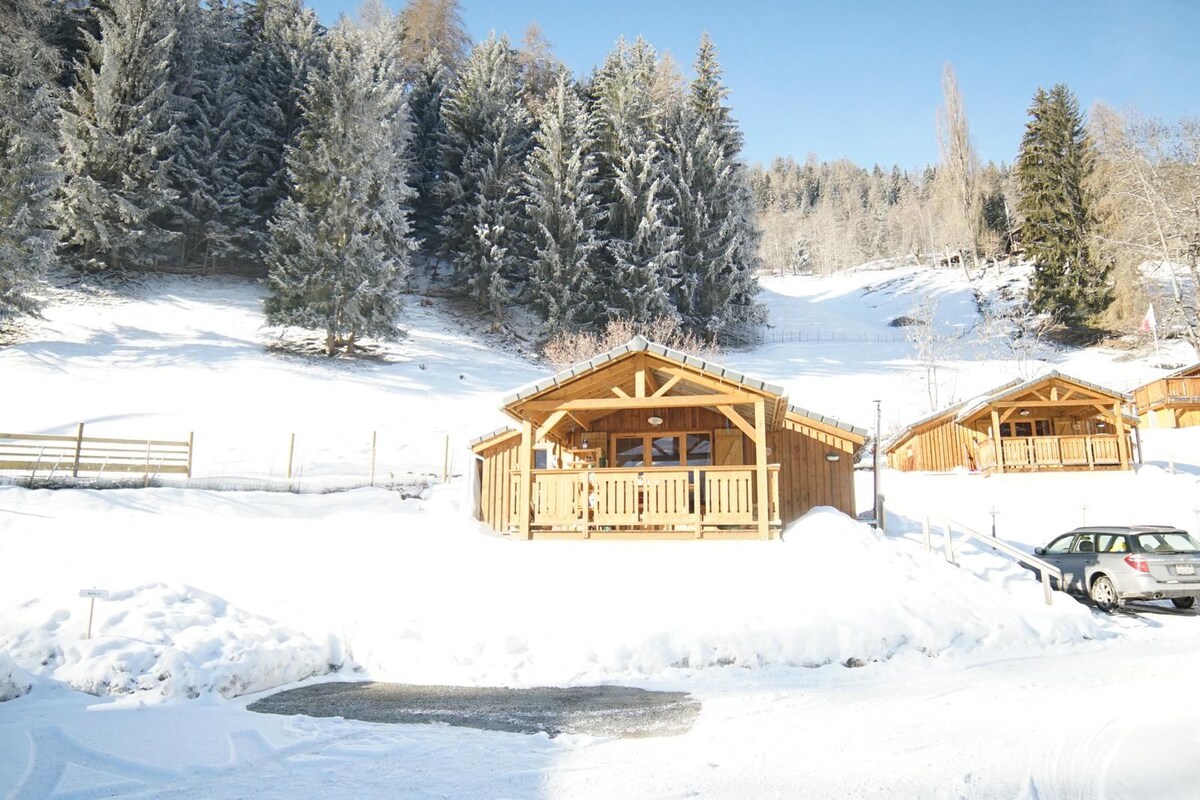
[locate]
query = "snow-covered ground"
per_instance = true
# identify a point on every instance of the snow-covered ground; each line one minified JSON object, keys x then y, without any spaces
{"x":838,"y":662}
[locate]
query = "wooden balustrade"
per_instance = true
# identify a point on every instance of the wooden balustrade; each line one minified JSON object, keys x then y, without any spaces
{"x":674,"y":498}
{"x":1042,"y":452}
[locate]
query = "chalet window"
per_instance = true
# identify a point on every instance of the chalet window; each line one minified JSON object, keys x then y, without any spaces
{"x":699,"y":449}
{"x":1037,"y":427}
{"x":630,"y":452}
{"x":539,"y":459}
{"x":664,"y":451}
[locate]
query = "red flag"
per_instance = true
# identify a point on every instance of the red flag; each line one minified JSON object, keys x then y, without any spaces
{"x":1149,"y":323}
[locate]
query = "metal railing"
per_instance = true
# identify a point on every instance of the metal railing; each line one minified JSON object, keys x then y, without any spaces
{"x":1044,"y":569}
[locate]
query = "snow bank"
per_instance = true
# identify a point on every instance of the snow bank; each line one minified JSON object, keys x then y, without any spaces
{"x":14,"y":681}
{"x":834,"y":591}
{"x":172,"y":641}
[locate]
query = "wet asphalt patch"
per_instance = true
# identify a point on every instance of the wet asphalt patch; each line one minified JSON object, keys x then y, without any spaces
{"x":614,"y":711}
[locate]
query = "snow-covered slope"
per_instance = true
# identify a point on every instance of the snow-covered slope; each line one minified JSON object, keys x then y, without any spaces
{"x":389,"y":587}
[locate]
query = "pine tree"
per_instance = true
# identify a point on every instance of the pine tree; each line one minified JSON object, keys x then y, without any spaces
{"x":340,"y":251}
{"x":1054,"y":164}
{"x":488,"y":137}
{"x":208,"y":212}
{"x":283,"y":49}
{"x":640,"y":247}
{"x":712,"y":208}
{"x":116,"y":137}
{"x":29,"y":175}
{"x":425,"y":101}
{"x":563,"y":207}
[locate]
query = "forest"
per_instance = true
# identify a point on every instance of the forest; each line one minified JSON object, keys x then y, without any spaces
{"x":242,"y":136}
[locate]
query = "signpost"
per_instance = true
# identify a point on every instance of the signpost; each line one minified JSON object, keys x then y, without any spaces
{"x":93,"y":595}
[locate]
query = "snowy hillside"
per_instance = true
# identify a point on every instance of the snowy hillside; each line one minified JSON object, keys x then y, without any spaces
{"x":220,"y":594}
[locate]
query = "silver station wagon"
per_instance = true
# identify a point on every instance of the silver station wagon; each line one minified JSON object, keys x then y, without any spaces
{"x":1138,"y":562}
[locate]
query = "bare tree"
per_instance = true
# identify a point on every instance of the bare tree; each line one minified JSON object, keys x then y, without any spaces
{"x":958,"y":176}
{"x":431,"y":25}
{"x":1149,"y":187}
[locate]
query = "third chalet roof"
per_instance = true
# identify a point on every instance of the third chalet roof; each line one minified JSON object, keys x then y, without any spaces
{"x":966,"y":408}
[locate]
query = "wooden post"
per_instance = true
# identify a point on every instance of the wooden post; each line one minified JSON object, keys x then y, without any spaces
{"x":146,"y":474}
{"x":78,"y":448}
{"x":291,"y":451}
{"x":999,"y":459}
{"x":525,"y":469}
{"x":191,"y":443}
{"x":760,"y":468}
{"x":1122,"y":445}
{"x":949,"y":541}
{"x":374,"y":437}
{"x":446,"y":460}
{"x":696,"y":503}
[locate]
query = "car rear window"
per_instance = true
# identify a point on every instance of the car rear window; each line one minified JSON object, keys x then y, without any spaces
{"x":1167,"y":542}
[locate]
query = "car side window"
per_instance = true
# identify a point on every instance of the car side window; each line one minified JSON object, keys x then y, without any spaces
{"x":1060,"y":545}
{"x":1111,"y":543}
{"x":1085,"y":544}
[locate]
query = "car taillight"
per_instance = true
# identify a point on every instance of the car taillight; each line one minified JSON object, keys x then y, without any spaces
{"x":1138,"y":563}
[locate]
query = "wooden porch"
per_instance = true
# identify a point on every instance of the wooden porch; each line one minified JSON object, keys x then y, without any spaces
{"x":684,"y":503}
{"x":1033,"y":453}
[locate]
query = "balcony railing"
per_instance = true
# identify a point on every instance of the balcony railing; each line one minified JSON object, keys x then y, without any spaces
{"x":675,"y":499}
{"x":1054,"y":452}
{"x":1173,"y":391}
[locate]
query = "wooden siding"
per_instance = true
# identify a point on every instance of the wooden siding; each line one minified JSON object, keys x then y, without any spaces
{"x":496,"y":484}
{"x":941,"y":448}
{"x":806,"y":478}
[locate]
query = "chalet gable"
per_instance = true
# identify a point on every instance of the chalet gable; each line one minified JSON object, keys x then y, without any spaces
{"x":644,"y":375}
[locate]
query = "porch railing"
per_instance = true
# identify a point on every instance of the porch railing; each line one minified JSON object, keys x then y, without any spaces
{"x":676,"y":498}
{"x":1037,"y":452}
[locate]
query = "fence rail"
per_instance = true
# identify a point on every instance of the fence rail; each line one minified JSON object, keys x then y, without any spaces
{"x":63,"y":455}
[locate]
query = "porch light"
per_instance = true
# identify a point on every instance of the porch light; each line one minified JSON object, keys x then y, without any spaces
{"x":655,"y":421}
{"x":831,"y":457}
{"x":1024,"y":412}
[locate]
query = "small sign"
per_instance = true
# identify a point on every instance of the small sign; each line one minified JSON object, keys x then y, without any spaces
{"x":95,"y":594}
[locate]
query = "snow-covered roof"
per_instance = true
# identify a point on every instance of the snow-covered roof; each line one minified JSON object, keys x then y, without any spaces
{"x":966,"y":408}
{"x":639,"y":344}
{"x":1016,"y":387}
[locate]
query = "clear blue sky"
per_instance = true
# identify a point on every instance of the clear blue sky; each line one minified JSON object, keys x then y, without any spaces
{"x":861,"y":80}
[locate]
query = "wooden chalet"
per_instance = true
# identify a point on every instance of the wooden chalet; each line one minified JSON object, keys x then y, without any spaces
{"x":1172,"y":401}
{"x":1054,"y":422}
{"x":647,"y":442}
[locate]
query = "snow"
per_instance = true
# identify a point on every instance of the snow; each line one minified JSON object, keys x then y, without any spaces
{"x":839,"y":661}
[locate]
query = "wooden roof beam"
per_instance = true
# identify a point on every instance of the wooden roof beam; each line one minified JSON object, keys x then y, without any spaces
{"x":668,"y":386}
{"x":623,"y":403}
{"x":740,"y":421}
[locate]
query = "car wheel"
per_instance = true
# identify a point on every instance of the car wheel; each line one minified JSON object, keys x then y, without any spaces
{"x":1183,"y":602}
{"x":1104,"y":595}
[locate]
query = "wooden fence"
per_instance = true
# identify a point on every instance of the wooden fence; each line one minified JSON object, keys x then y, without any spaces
{"x":70,"y":455}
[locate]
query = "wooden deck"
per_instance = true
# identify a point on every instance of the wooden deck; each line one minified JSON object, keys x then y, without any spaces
{"x":664,"y":502}
{"x":1032,"y":453}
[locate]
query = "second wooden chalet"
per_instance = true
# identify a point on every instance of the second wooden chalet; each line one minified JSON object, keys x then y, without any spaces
{"x":1172,"y":401}
{"x":1054,"y":422}
{"x":647,"y":442}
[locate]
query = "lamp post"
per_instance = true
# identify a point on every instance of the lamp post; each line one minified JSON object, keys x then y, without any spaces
{"x":875,"y":469}
{"x":994,"y":512}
